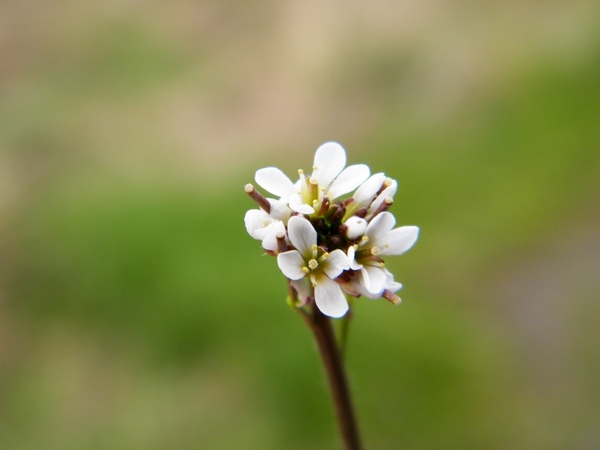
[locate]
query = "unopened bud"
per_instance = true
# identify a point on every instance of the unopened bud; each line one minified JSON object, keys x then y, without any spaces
{"x":355,"y":227}
{"x":336,"y":213}
{"x":324,"y":206}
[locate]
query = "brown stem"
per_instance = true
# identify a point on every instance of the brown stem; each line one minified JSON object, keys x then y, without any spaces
{"x":336,"y":375}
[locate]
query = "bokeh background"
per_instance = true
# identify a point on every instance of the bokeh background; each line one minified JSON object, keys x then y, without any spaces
{"x":135,"y":312}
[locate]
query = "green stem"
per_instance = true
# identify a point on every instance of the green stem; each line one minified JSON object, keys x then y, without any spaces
{"x":322,"y":329}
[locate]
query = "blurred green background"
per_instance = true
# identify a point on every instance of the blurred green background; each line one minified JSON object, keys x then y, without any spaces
{"x":135,"y":311}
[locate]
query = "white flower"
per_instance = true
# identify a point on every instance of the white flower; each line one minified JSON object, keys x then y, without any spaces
{"x":266,"y":226}
{"x":321,"y":267}
{"x":329,"y":179}
{"x":379,"y":240}
{"x":356,"y":287}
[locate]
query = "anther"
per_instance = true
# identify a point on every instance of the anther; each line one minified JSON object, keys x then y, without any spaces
{"x":258,"y":197}
{"x":305,"y":269}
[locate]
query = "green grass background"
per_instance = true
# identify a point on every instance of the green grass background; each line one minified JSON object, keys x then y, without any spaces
{"x":136,"y":312}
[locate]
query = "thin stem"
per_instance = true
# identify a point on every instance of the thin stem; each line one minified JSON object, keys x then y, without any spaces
{"x":343,"y":333}
{"x":336,"y":375}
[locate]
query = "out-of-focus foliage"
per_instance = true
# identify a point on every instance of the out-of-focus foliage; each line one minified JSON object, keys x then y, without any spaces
{"x":137,"y":313}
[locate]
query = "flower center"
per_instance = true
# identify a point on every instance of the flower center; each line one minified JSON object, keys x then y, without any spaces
{"x":313,"y":264}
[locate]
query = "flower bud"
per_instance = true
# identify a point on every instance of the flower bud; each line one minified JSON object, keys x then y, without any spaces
{"x":355,"y":227}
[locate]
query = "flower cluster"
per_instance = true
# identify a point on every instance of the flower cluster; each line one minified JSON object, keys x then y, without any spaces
{"x":336,"y":243}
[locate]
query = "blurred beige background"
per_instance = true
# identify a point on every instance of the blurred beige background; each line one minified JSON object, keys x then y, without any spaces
{"x":136,"y":313}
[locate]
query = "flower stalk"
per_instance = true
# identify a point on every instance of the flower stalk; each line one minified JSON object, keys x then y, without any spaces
{"x":329,"y":247}
{"x":333,"y":363}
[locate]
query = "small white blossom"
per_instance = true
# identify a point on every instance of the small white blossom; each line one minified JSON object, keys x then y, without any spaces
{"x":266,"y":226}
{"x":329,"y":180}
{"x":321,"y":267}
{"x":357,"y":288}
{"x":379,"y":240}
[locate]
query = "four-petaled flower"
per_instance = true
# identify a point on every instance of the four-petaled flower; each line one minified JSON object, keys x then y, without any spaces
{"x":379,"y":240}
{"x":328,"y":180}
{"x":308,"y":260}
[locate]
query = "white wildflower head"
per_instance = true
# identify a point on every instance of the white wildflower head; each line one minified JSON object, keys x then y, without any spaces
{"x":327,"y":245}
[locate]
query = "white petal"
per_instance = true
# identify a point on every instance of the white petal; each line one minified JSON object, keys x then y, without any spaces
{"x":379,"y":227}
{"x":364,"y":279}
{"x":279,"y":210}
{"x":393,"y":286}
{"x":350,"y":178}
{"x":377,"y":279}
{"x":390,"y":284}
{"x":335,"y":264}
{"x":302,"y":290}
{"x":269,"y":241}
{"x":302,"y":235}
{"x":329,"y":298}
{"x":298,"y":205}
{"x":362,"y":290}
{"x":399,"y":240}
{"x":354,"y":265}
{"x":330,"y":159}
{"x":291,"y":263}
{"x":365,"y":194}
{"x":255,"y":220}
{"x":275,"y":181}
